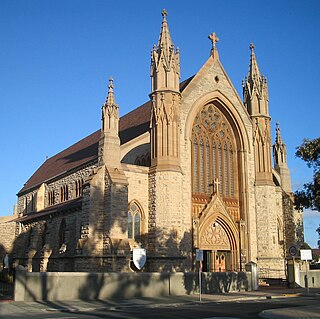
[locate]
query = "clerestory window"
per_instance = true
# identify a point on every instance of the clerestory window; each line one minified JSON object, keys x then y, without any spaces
{"x":78,"y":187}
{"x":64,"y":193}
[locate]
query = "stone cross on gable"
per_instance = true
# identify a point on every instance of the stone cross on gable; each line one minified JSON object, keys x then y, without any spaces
{"x":215,"y":185}
{"x":214,"y":39}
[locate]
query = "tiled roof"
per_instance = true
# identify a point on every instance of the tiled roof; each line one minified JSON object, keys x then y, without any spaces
{"x":80,"y":153}
{"x":85,"y":151}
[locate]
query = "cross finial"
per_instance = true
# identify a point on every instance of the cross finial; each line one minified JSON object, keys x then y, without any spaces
{"x":214,"y":39}
{"x":251,"y":46}
{"x":215,"y":184}
{"x":164,"y":13}
{"x":110,"y":86}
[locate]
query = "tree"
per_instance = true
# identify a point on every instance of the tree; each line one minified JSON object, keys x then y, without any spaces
{"x":309,"y":196}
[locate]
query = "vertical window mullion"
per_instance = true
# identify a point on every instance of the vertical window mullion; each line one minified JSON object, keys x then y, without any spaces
{"x":207,"y":162}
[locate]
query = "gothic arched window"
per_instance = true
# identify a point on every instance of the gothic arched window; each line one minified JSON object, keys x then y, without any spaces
{"x":134,"y":221}
{"x":64,"y":193}
{"x":78,"y":187}
{"x":213,"y":152}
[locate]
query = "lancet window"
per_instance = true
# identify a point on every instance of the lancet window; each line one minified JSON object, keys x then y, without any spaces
{"x":134,"y":221}
{"x":213,"y":152}
{"x":64,"y":193}
{"x":51,"y":198}
{"x":78,"y":187}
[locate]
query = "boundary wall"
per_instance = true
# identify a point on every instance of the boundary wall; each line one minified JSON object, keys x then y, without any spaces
{"x":313,"y":278}
{"x":31,"y":286}
{"x":299,"y":276}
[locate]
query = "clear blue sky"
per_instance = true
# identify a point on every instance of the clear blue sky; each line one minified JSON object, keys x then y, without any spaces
{"x":56,"y":58}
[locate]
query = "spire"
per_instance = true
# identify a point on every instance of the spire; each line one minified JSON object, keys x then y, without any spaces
{"x":279,"y":149}
{"x":165,"y":61}
{"x":280,"y":161}
{"x":110,"y":97}
{"x":256,"y":100}
{"x":109,"y":144}
{"x":255,"y":88}
{"x":110,"y":111}
{"x":165,"y":96}
{"x":278,"y":135}
{"x":254,"y":72}
{"x":165,"y":42}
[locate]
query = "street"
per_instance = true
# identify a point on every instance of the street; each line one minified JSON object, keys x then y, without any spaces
{"x":235,"y":309}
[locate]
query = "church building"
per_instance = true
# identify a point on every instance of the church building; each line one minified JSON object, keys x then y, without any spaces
{"x":192,"y":168}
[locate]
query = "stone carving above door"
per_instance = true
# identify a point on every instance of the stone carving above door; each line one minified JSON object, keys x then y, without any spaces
{"x":214,"y":238}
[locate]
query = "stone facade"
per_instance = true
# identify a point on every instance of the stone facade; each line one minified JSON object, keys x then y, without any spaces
{"x":7,"y":231}
{"x":132,"y":183}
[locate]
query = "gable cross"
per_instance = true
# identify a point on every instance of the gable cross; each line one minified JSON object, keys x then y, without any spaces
{"x":214,"y":39}
{"x":215,"y":186}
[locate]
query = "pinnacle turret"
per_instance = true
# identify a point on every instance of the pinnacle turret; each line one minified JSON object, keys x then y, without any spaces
{"x":255,"y":88}
{"x":109,"y":144}
{"x":110,"y":111}
{"x":280,"y":161}
{"x":165,"y":61}
{"x":278,"y":135}
{"x":279,"y":149}
{"x":165,"y":96}
{"x":255,"y":96}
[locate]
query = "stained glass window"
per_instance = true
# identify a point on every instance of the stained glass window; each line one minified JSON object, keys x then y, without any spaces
{"x":213,"y":153}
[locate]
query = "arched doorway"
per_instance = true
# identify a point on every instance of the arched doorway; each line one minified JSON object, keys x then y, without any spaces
{"x":218,"y":238}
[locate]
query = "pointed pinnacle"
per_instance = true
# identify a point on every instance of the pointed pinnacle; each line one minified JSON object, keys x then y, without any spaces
{"x":165,"y":42}
{"x":278,"y":134}
{"x":110,"y":98}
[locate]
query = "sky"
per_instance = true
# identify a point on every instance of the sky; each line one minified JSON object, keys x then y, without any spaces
{"x":56,"y":57}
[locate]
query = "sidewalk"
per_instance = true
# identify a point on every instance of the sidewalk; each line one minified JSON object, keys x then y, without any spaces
{"x":11,"y":307}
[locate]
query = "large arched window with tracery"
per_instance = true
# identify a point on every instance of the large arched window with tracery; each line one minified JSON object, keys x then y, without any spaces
{"x":213,"y":153}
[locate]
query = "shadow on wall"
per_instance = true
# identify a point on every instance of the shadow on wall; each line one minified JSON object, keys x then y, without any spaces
{"x":167,"y":253}
{"x":124,"y":285}
{"x":102,"y":285}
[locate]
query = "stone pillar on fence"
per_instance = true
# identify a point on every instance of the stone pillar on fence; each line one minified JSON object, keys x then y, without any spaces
{"x":19,"y":283}
{"x":252,"y":267}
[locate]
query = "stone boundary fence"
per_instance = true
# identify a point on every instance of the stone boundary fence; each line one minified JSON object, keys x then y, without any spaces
{"x":31,"y":286}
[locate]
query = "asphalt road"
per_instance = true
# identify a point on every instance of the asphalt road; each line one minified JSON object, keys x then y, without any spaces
{"x":239,"y":309}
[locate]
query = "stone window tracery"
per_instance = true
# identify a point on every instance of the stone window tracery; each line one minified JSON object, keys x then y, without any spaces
{"x":134,"y":221}
{"x":213,"y":152}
